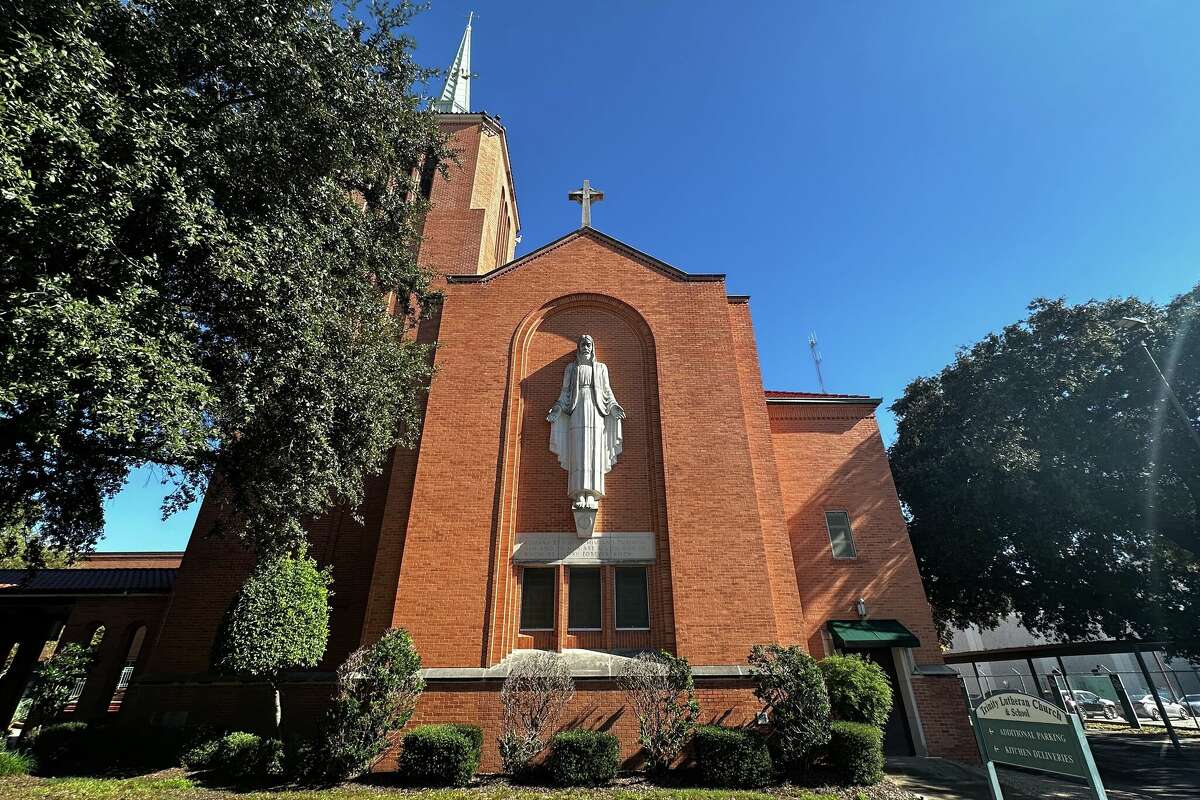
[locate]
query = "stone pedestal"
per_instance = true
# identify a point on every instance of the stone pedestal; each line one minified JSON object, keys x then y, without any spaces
{"x":585,"y":522}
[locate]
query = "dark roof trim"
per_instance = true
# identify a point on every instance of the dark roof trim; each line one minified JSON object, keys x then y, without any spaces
{"x":1052,"y":649}
{"x":647,"y":259}
{"x":470,"y":116}
{"x":76,"y":582}
{"x":738,"y":299}
{"x":819,"y":401}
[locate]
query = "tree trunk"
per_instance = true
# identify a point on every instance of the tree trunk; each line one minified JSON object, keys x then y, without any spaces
{"x":278,"y":706}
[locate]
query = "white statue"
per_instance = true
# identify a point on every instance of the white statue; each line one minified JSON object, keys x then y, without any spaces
{"x":585,"y":431}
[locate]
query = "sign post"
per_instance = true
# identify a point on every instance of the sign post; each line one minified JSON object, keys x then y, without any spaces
{"x":1021,"y":730}
{"x":1126,"y":706}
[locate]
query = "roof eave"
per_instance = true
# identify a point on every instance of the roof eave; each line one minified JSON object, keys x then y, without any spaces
{"x":656,"y":263}
{"x":838,"y":401}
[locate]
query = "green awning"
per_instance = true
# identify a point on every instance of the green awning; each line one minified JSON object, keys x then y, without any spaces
{"x":860,"y":633}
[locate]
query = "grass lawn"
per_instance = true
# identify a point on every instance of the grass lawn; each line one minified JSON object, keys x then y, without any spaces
{"x":172,"y":785}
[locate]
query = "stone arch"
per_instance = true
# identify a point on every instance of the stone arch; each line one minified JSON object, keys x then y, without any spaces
{"x":135,"y":636}
{"x":626,"y":323}
{"x":94,"y":635}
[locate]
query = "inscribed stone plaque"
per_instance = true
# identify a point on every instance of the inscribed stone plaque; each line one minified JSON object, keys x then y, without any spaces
{"x":567,"y":548}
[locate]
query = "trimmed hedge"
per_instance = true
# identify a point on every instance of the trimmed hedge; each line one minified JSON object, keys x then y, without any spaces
{"x":62,"y":748}
{"x":14,"y":763}
{"x":474,"y":733}
{"x":859,"y":690}
{"x":732,"y":758}
{"x":237,"y":758}
{"x":439,"y":755}
{"x":201,"y":749}
{"x":856,"y":752}
{"x":583,"y":758}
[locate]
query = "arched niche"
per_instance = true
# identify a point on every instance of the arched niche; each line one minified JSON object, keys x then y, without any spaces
{"x":532,"y":495}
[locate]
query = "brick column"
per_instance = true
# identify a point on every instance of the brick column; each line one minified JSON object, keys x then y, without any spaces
{"x":102,"y":678}
{"x":12,"y":685}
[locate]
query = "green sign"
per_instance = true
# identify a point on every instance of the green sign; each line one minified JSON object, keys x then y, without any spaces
{"x":1025,"y":731}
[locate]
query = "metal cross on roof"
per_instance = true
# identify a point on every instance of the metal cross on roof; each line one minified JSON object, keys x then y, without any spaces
{"x":585,"y":197}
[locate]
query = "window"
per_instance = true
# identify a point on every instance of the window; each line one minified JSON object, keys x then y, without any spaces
{"x":840,"y":537}
{"x":428,"y":172}
{"x":632,"y":601}
{"x":537,"y":599}
{"x":503,"y":225}
{"x":583,"y":604}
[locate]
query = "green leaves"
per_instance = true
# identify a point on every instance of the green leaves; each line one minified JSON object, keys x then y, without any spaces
{"x":278,"y":621}
{"x":204,"y":209}
{"x":1045,"y":474}
{"x":51,"y":684}
{"x":789,"y":684}
{"x":859,"y":690}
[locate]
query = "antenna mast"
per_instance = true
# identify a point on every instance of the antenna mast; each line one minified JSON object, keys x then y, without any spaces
{"x":816,"y":357}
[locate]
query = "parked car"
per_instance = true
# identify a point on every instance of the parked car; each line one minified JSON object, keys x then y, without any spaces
{"x":1146,"y":707}
{"x":1192,"y":701}
{"x":1091,"y":704}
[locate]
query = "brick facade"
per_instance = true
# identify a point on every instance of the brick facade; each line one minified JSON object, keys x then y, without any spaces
{"x":732,"y":487}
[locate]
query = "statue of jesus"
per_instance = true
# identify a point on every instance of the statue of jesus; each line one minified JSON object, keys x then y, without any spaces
{"x":585,"y":426}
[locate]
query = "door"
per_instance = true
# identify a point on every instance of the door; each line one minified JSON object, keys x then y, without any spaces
{"x":897,"y":738}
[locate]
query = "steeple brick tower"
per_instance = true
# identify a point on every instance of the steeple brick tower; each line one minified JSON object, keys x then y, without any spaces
{"x":472,"y":224}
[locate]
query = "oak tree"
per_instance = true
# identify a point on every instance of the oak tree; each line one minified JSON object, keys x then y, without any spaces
{"x":205,"y":208}
{"x":1048,"y":476}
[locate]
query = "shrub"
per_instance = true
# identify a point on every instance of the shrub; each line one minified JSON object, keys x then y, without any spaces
{"x":200,"y":755}
{"x":856,"y":752}
{"x":474,"y":735}
{"x":438,"y":755}
{"x":660,"y":689}
{"x":52,"y":681}
{"x":789,"y":683}
{"x":583,"y":758}
{"x":859,"y":690}
{"x":61,"y":748}
{"x":536,"y":691}
{"x":15,"y":763}
{"x":732,"y":758}
{"x":278,"y":621}
{"x":377,"y":690}
{"x":241,"y":757}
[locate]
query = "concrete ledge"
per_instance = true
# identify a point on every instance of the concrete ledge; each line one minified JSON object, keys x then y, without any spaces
{"x":584,"y":665}
{"x":935,"y":671}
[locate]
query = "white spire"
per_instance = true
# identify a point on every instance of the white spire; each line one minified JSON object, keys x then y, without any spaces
{"x":456,"y":94}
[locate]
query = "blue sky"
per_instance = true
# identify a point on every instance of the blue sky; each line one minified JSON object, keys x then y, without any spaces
{"x":900,"y":178}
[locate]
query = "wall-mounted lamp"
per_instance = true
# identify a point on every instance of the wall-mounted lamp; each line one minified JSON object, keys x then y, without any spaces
{"x":860,"y":607}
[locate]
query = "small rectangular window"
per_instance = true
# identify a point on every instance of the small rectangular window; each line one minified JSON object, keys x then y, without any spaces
{"x":583,"y":602}
{"x":537,"y":599}
{"x":840,"y":536}
{"x":632,"y":599}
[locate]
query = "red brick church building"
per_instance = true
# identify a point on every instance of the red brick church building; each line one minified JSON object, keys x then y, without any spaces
{"x":731,"y":516}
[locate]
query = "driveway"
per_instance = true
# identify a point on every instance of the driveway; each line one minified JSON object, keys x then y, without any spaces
{"x":1132,"y":768}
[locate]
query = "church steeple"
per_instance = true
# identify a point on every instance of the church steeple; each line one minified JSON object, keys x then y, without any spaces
{"x":456,"y":94}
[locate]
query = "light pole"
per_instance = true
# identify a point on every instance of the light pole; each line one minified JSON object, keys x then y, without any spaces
{"x":1143,"y":327}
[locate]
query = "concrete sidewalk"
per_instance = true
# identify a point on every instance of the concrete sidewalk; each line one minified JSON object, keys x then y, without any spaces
{"x":939,"y":779}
